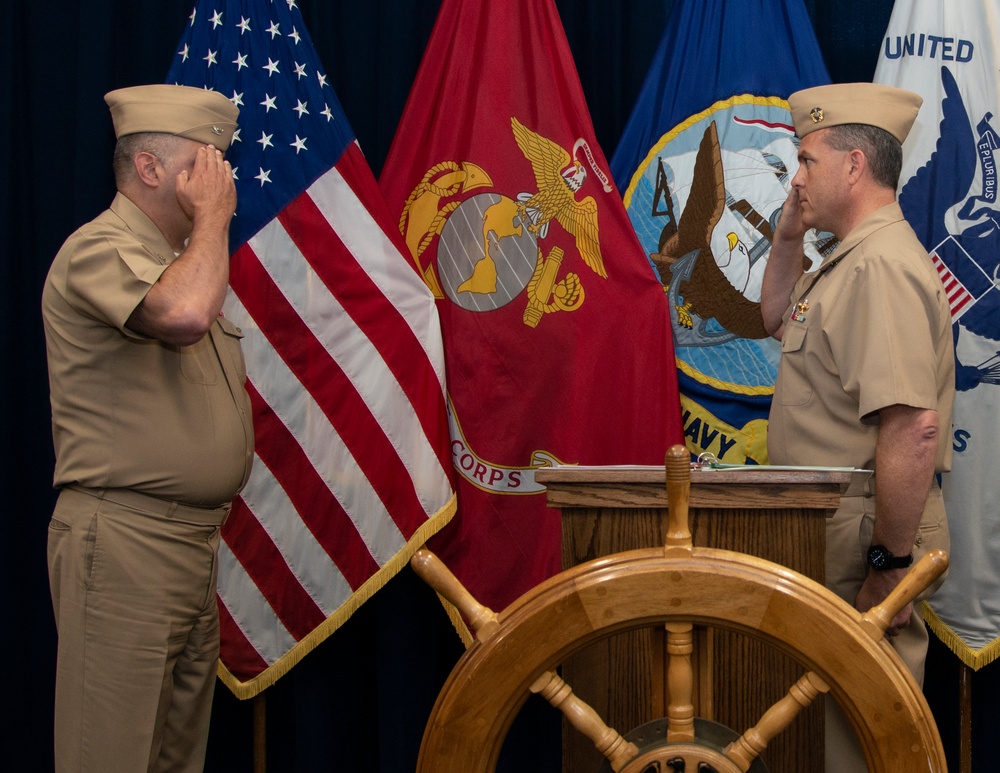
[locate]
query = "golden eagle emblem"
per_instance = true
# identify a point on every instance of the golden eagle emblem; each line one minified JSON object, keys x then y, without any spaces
{"x":427,"y":208}
{"x":559,"y":176}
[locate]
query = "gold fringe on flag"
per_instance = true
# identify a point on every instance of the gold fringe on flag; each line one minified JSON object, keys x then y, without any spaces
{"x":974,"y":659}
{"x":249,"y":689}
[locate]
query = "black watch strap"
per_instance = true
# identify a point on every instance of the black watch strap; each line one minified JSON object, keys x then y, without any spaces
{"x":880,"y":559}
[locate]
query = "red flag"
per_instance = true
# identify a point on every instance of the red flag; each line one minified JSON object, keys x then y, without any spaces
{"x":343,"y":351}
{"x":556,"y":331}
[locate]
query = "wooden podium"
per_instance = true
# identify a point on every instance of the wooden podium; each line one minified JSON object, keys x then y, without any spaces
{"x":776,"y":514}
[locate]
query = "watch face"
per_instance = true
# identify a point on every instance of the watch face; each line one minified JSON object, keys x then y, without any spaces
{"x":878,"y":557}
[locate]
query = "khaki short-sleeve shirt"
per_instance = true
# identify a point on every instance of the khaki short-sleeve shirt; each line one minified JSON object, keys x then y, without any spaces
{"x":870,"y":329}
{"x":131,"y":412}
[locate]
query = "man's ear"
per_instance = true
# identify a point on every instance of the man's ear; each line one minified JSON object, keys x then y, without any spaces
{"x":147,"y":168}
{"x":859,"y":162}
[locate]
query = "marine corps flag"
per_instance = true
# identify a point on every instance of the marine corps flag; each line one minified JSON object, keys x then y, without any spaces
{"x":705,"y":164}
{"x":557,"y":343}
{"x":343,"y":351}
{"x":947,"y":53}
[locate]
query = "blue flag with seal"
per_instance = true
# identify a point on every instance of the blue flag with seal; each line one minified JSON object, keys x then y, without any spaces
{"x":704,"y":164}
{"x":948,"y":192}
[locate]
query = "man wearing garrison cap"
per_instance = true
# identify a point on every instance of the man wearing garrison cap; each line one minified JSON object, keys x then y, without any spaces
{"x":867,"y":372}
{"x":153,"y":438}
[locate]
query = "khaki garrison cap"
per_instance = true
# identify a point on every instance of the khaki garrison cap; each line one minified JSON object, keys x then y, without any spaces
{"x":184,"y":111}
{"x":873,"y":104}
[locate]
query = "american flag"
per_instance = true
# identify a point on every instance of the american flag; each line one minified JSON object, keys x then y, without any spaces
{"x":343,"y":350}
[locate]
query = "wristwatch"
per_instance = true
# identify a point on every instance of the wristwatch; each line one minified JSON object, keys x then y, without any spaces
{"x":880,"y":559}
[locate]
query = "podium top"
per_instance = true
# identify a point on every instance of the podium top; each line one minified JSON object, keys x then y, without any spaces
{"x":645,"y":485}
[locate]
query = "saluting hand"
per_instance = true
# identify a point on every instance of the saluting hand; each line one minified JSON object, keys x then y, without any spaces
{"x":790,"y":225}
{"x":208,"y":190}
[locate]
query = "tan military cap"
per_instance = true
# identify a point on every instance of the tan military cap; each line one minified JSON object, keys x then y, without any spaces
{"x":874,"y":104}
{"x":184,"y":111}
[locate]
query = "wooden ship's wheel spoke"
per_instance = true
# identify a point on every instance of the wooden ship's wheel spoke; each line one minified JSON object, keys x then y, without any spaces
{"x":517,"y":652}
{"x":752,"y":743}
{"x":680,"y":682}
{"x":607,"y":741}
{"x":483,"y":622}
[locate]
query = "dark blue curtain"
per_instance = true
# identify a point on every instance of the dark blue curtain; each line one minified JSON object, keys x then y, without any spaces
{"x":359,"y":702}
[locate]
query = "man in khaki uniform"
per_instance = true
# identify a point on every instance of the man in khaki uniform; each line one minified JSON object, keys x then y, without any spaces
{"x":153,"y":438}
{"x":867,"y":372}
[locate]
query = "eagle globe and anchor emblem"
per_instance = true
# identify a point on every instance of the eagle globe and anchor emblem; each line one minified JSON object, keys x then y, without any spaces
{"x":490,"y":247}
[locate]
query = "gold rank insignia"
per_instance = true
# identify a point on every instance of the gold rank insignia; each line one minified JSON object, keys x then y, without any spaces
{"x":816,"y":114}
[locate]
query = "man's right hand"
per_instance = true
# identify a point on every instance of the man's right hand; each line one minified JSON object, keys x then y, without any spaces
{"x":790,"y":226}
{"x":183,"y":303}
{"x":208,"y":191}
{"x":784,"y":265}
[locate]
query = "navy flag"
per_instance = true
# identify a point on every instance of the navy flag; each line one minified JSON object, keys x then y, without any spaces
{"x":704,"y":164}
{"x":947,"y":53}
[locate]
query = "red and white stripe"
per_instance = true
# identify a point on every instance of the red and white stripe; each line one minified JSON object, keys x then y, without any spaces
{"x":346,"y":378}
{"x":959,"y":298}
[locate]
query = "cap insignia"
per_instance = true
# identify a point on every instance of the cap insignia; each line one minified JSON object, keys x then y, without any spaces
{"x":816,"y":114}
{"x":216,"y":130}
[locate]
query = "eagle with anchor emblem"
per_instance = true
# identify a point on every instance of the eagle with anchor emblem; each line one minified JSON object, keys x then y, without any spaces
{"x":491,"y":246}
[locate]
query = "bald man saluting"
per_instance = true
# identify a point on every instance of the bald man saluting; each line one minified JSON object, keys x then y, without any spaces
{"x":152,"y":431}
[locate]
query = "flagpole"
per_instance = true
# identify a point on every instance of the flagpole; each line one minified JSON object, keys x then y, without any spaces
{"x":965,"y":717}
{"x":259,"y":733}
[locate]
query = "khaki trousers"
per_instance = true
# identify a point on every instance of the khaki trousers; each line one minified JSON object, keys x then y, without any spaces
{"x":133,"y":584}
{"x":848,"y":537}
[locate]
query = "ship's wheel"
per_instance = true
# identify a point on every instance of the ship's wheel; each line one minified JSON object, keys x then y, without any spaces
{"x":842,"y":652}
